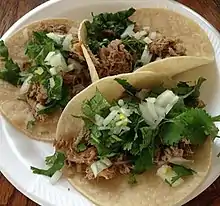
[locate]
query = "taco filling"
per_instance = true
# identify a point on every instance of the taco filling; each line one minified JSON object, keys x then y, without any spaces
{"x":119,"y":45}
{"x":55,"y":71}
{"x":158,"y":128}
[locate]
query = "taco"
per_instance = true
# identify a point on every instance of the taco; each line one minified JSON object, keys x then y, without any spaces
{"x":42,"y":68}
{"x":122,"y":42}
{"x":134,"y":129}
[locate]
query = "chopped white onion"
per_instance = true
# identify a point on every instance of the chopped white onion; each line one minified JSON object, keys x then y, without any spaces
{"x":100,"y":165}
{"x":146,"y":56}
{"x":39,"y":107}
{"x":56,"y":59}
{"x":26,"y":85}
{"x":138,"y":35}
{"x":110,"y":117}
{"x":121,"y":102}
{"x":67,"y":42}
{"x":146,"y":28}
{"x":128,"y":31}
{"x":165,"y":98}
{"x":166,"y":173}
{"x":52,"y":82}
{"x":180,"y":161}
{"x":53,"y":71}
{"x":56,"y":176}
{"x":153,"y":35}
{"x":146,"y":114}
{"x":154,"y":110}
{"x":99,"y":120}
{"x":58,"y":38}
{"x":39,"y":71}
{"x":148,"y":40}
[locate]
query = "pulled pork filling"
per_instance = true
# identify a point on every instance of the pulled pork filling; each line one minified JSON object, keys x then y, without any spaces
{"x":113,"y":59}
{"x":75,"y":80}
{"x":81,"y":161}
{"x":167,"y":47}
{"x":183,"y":150}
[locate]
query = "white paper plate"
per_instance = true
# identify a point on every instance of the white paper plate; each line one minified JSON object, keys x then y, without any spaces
{"x":18,"y":153}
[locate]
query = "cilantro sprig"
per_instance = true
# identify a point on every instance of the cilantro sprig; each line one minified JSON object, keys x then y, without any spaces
{"x":56,"y":163}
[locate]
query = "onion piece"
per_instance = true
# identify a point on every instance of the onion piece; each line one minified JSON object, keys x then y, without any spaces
{"x":100,"y":165}
{"x":39,"y":71}
{"x":128,"y":31}
{"x":148,"y":40}
{"x":53,"y":71}
{"x":56,"y":59}
{"x":26,"y":85}
{"x":56,"y":176}
{"x":58,"y":38}
{"x":166,"y":173}
{"x":146,"y":56}
{"x":52,"y":82}
{"x":153,"y":35}
{"x":110,"y":117}
{"x":138,"y":35}
{"x":165,"y":98}
{"x":180,"y":161}
{"x":67,"y":42}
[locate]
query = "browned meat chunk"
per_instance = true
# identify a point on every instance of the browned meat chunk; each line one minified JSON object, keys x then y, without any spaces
{"x":38,"y":93}
{"x":113,"y":59}
{"x":61,"y":29}
{"x":183,"y":150}
{"x":107,"y":174}
{"x":25,"y":66}
{"x":86,"y":157}
{"x":167,"y":47}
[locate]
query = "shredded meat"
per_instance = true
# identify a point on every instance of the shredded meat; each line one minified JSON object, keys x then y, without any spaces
{"x":110,"y":172}
{"x":38,"y":93}
{"x":61,"y":29}
{"x":183,"y":150}
{"x":167,"y":47}
{"x":86,"y":157}
{"x":113,"y":59}
{"x":25,"y":66}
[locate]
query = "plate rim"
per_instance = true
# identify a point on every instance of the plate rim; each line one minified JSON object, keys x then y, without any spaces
{"x":12,"y":180}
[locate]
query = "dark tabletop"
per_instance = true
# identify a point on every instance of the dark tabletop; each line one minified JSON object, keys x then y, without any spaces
{"x":12,"y":10}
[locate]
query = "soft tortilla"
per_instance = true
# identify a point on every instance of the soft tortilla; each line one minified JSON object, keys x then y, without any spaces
{"x":170,"y":24}
{"x":17,"y":112}
{"x":150,"y":190}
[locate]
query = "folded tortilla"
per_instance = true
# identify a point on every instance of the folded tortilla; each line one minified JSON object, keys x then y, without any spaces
{"x":17,"y":112}
{"x":150,"y":190}
{"x":199,"y":50}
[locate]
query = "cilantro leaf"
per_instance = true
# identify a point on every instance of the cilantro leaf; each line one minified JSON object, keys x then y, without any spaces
{"x":127,"y":86}
{"x":189,"y":93}
{"x":81,"y":147}
{"x":38,"y":48}
{"x":56,"y":161}
{"x":56,"y":91}
{"x":143,"y":162}
{"x":96,"y":105}
{"x":194,"y":124}
{"x":132,"y":179}
{"x":10,"y":73}
{"x":107,"y":26}
{"x":135,"y":47}
{"x":3,"y":50}
{"x":181,"y":171}
{"x":30,"y":124}
{"x":49,"y":108}
{"x":148,"y":134}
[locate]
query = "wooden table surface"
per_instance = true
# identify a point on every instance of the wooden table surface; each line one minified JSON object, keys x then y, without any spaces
{"x":12,"y":10}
